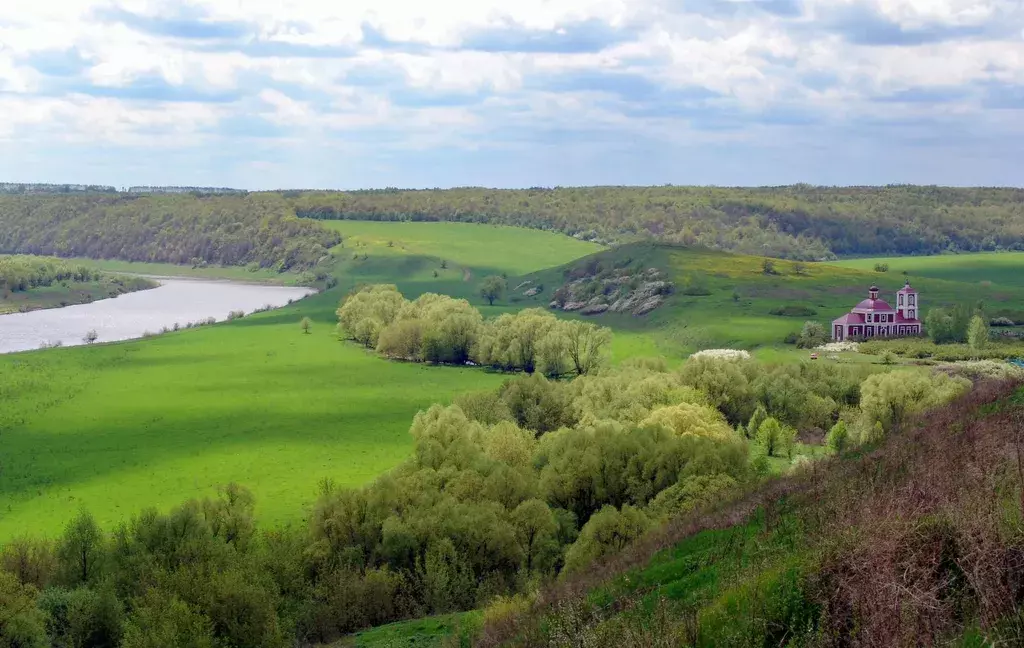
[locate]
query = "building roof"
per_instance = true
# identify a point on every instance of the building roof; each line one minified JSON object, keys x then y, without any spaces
{"x":850,"y":318}
{"x":906,"y":320}
{"x":873,"y":288}
{"x":907,"y":289}
{"x":874,"y":304}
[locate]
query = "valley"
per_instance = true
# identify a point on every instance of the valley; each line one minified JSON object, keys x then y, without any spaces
{"x":316,"y":428}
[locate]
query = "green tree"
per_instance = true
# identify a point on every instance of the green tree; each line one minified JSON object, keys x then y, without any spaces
{"x":977,"y":333}
{"x":813,"y":334}
{"x":80,"y":551}
{"x":607,"y":532}
{"x":756,"y":419}
{"x":587,"y":345}
{"x":837,"y":439}
{"x":770,"y":437}
{"x":305,"y":324}
{"x":22,"y":624}
{"x":160,"y":619}
{"x":535,"y":527}
{"x":492,"y":288}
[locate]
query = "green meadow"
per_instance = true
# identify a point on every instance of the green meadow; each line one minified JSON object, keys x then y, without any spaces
{"x":982,"y":268}
{"x":119,"y":427}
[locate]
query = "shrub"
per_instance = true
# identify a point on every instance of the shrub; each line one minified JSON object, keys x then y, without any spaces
{"x":775,"y":439}
{"x":793,"y":310}
{"x":689,"y":418}
{"x":812,"y":334}
{"x":890,"y":398}
{"x":689,"y":493}
{"x":837,"y":438}
{"x":607,"y":532}
{"x":236,"y":314}
{"x":1001,"y":321}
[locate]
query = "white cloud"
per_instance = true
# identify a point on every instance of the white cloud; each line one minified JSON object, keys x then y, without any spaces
{"x":197,"y":73}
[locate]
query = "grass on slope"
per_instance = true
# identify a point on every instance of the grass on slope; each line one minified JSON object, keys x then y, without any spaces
{"x":910,"y":543}
{"x":429,"y":632}
{"x":1004,"y":268}
{"x":513,"y":250}
{"x":153,"y":422}
{"x":738,"y":311}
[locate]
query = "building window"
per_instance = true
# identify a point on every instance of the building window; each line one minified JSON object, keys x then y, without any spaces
{"x":910,"y":300}
{"x":901,"y":300}
{"x":911,"y":313}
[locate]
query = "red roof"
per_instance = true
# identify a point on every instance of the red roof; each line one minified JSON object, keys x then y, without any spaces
{"x":906,"y":290}
{"x":903,"y":320}
{"x":874,"y":304}
{"x":850,"y":318}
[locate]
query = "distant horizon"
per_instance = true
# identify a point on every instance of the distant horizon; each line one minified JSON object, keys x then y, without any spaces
{"x":123,"y":188}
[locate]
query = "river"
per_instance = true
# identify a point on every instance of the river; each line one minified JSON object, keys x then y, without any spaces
{"x":174,"y":301}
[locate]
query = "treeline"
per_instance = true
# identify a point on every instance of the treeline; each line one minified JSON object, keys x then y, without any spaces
{"x":442,"y":330}
{"x":228,"y":230}
{"x":21,"y":273}
{"x":47,"y":188}
{"x":505,"y":490}
{"x":801,"y":221}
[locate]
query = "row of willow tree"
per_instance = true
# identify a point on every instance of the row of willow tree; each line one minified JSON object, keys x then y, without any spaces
{"x":439,"y":329}
{"x":798,"y":222}
{"x":259,"y":229}
{"x":505,"y":489}
{"x":21,"y":273}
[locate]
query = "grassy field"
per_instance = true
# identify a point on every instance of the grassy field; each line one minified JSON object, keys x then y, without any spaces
{"x":119,"y":427}
{"x":1002,"y":268}
{"x":234,"y":273}
{"x":738,"y":311}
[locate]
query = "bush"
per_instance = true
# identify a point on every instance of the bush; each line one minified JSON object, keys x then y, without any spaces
{"x":1002,"y":321}
{"x":609,"y":531}
{"x":793,"y":310}
{"x":812,"y":335}
{"x":775,"y":439}
{"x":236,"y":314}
{"x":838,"y":438}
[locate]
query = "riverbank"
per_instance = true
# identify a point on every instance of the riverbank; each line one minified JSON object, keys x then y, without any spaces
{"x":29,"y":283}
{"x":174,"y":303}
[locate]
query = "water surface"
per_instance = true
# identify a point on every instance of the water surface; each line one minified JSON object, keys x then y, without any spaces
{"x":130,"y":316}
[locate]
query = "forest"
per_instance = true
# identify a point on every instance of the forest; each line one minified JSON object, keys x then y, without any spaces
{"x":183,"y":229}
{"x":799,"y":222}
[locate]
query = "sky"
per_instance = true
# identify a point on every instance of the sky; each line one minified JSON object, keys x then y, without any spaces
{"x":344,"y":94}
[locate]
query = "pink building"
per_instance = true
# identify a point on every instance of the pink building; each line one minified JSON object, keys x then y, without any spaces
{"x":874,"y":317}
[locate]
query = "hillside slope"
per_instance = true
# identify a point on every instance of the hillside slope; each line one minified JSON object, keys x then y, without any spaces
{"x":183,"y":229}
{"x":728,"y":300}
{"x":918,"y":542}
{"x":797,"y":221}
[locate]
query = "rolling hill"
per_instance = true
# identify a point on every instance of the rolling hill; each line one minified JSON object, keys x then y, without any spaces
{"x":737,"y":309}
